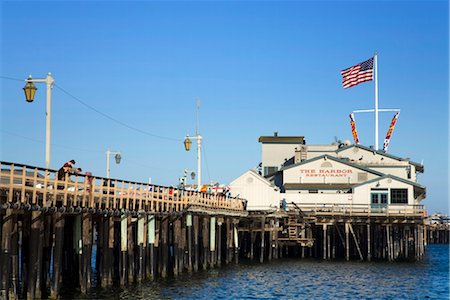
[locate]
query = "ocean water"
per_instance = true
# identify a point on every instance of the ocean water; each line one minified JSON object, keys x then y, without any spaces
{"x":300,"y":279}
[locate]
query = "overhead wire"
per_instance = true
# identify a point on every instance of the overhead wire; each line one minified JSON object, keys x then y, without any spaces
{"x":114,"y":119}
{"x":102,"y":113}
{"x":42,"y":142}
{"x":206,"y":162}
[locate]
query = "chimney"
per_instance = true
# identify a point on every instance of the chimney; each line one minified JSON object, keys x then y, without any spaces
{"x":275,"y":133}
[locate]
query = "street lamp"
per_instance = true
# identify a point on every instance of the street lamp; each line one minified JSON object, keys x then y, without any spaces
{"x":30,"y":91}
{"x":117,"y":157}
{"x":187,"y":146}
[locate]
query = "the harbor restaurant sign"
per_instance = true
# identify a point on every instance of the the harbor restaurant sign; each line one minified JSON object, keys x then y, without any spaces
{"x":327,"y":170}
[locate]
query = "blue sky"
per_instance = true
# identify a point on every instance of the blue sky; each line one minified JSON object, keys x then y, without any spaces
{"x":257,"y":67}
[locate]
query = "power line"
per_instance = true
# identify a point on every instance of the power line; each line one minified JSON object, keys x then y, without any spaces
{"x":11,"y":78}
{"x":206,"y":162}
{"x":115,"y":120}
{"x":103,"y":114}
{"x":42,"y":142}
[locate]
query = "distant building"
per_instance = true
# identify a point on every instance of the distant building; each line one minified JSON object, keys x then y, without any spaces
{"x":336,"y":176}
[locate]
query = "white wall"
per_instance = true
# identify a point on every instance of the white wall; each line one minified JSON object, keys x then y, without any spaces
{"x":360,"y":195}
{"x":324,"y":171}
{"x":258,"y":192}
{"x":274,"y":155}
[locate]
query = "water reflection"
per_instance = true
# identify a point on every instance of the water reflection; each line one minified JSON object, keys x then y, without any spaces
{"x":299,"y":279}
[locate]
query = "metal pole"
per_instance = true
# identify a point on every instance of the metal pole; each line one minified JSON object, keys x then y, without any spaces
{"x":376,"y":99}
{"x":199,"y":161}
{"x":107,"y":162}
{"x":48,"y":117}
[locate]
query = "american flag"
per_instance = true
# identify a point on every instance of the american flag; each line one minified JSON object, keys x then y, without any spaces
{"x":361,"y":72}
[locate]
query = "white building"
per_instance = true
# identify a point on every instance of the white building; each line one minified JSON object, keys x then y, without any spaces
{"x":251,"y":185}
{"x":333,"y":177}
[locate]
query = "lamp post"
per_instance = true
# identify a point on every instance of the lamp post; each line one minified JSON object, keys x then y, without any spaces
{"x":117,"y":157}
{"x":187,"y":146}
{"x":30,"y":91}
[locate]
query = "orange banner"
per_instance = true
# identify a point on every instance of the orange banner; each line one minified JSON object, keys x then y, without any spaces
{"x":353,"y":126}
{"x":389,"y":133}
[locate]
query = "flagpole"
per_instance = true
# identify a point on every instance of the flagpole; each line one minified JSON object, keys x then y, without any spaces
{"x":376,"y":99}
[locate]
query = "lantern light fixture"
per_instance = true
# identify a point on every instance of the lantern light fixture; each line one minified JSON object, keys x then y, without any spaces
{"x":30,"y":90}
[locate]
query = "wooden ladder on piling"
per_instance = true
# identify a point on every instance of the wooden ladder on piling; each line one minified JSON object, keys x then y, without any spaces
{"x":298,"y":220}
{"x":293,"y":225}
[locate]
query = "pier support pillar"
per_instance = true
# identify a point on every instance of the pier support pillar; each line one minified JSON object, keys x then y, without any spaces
{"x":236,"y":241}
{"x":263,"y":231}
{"x":85,"y":266}
{"x":164,"y":232}
{"x":212,"y":241}
{"x":205,"y":235}
{"x":196,"y":228}
{"x":324,"y":240}
{"x":57,"y":254}
{"x":369,"y":250}
{"x":219,"y":243}
{"x":151,"y":244}
{"x":189,"y":240}
{"x":123,"y":249}
{"x":347,"y":242}
{"x":140,"y":244}
{"x":5,"y":259}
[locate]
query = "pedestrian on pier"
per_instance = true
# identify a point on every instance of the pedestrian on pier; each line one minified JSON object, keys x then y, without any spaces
{"x":88,"y":181}
{"x":61,"y":175}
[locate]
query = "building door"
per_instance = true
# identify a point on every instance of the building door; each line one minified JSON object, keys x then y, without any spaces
{"x":378,"y":201}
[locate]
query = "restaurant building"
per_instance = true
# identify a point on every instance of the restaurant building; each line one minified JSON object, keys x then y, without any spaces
{"x":339,"y":176}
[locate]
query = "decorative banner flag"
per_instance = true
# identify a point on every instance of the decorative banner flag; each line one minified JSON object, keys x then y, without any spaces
{"x":357,"y":74}
{"x":389,"y":133}
{"x":353,"y":125}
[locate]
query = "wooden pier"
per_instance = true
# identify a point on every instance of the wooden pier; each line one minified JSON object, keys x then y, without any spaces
{"x":51,"y":230}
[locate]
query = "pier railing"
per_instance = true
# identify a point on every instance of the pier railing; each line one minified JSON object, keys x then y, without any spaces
{"x":365,"y":210}
{"x":27,"y":186}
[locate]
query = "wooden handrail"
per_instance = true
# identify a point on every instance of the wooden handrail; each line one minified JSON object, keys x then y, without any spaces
{"x":39,"y":186}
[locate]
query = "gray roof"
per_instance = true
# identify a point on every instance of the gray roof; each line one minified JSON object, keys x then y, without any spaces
{"x":419,"y":167}
{"x":340,"y":160}
{"x":282,"y":139}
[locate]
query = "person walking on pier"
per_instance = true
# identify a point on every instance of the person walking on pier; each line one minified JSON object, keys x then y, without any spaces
{"x":61,"y":175}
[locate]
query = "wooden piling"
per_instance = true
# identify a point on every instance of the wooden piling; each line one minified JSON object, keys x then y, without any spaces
{"x":85,"y":266}
{"x":123,"y":249}
{"x":14,"y":290}
{"x":189,"y":241}
{"x":5,"y":258}
{"x":212,"y":241}
{"x":57,"y":254}
{"x":263,"y":233}
{"x":176,"y":246}
{"x":236,"y":242}
{"x":131,"y":255}
{"x":196,"y":242}
{"x":205,"y":234}
{"x":219,"y":238}
{"x":369,"y":246}
{"x":324,"y":240}
{"x":164,"y":247}
{"x":151,"y":228}
{"x":347,"y":242}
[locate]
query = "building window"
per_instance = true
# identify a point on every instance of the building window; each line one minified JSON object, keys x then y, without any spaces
{"x":379,"y":198}
{"x":270,"y":170}
{"x":399,"y":196}
{"x":313,"y":191}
